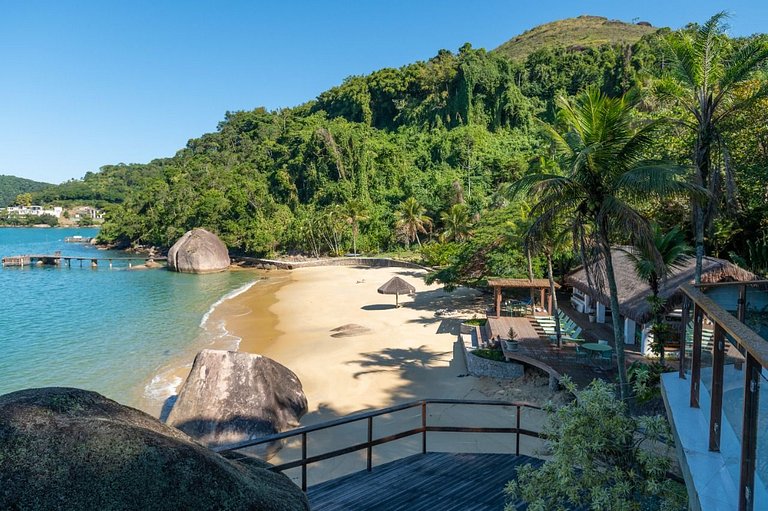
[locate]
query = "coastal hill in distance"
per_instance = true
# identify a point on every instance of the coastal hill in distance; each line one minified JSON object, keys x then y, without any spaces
{"x":11,"y":186}
{"x":575,"y":33}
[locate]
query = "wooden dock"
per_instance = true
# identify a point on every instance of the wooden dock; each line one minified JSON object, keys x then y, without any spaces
{"x":56,"y":259}
{"x":444,"y":481}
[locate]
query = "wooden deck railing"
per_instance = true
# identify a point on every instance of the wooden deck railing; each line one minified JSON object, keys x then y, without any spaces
{"x":371,"y":442}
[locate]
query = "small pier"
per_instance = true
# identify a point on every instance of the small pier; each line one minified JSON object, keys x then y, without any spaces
{"x":59,"y":260}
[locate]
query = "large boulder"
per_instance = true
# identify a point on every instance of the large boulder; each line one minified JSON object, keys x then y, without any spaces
{"x":64,"y":448}
{"x":198,"y":251}
{"x":232,"y":397}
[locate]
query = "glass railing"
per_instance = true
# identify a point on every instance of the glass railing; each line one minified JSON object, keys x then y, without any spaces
{"x":725,"y":359}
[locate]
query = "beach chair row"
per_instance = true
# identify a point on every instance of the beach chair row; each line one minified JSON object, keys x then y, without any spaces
{"x":569,"y":330}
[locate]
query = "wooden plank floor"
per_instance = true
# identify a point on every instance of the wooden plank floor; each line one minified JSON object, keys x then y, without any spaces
{"x":423,"y":482}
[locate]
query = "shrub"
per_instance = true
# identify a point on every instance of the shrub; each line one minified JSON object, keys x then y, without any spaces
{"x":598,"y":460}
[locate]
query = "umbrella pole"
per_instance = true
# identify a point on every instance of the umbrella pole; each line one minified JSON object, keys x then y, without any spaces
{"x":397,"y":300}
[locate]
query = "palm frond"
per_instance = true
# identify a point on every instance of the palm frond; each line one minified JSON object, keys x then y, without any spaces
{"x":743,"y":62}
{"x":658,"y":179}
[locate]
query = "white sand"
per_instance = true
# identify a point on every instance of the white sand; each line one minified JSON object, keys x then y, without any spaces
{"x":406,"y":354}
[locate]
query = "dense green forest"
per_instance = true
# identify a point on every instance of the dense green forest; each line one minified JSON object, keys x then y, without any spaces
{"x":11,"y":186}
{"x":420,"y":157}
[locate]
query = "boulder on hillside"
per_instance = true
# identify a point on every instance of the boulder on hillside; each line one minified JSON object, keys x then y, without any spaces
{"x":65,"y":448}
{"x":231,"y":397}
{"x":198,"y":251}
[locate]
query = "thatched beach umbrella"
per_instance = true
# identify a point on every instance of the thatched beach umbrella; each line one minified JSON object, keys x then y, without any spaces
{"x":396,"y":286}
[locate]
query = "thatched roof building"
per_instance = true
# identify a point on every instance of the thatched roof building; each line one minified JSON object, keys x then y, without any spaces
{"x":633,"y":291}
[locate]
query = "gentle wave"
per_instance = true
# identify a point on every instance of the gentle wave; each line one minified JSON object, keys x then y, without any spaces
{"x":166,"y":383}
{"x":232,"y":294}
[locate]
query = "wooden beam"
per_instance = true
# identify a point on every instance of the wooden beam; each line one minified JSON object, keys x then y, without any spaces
{"x":497,"y":299}
{"x":716,"y":406}
{"x":749,"y":434}
{"x":698,"y":318}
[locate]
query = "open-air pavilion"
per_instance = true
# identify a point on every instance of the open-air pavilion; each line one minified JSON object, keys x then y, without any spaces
{"x":536,"y":286}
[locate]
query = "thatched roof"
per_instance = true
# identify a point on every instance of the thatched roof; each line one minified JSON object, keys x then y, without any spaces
{"x":633,"y":291}
{"x":521,"y":283}
{"x":396,"y":285}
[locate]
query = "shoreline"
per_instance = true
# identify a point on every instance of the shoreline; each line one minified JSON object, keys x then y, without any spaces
{"x":349,"y":346}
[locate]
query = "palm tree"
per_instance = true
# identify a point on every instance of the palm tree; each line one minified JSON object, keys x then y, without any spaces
{"x":604,"y":164}
{"x":703,"y":77}
{"x":548,"y":238}
{"x":412,"y":220}
{"x":669,"y":249}
{"x":354,"y":213}
{"x":457,"y":222}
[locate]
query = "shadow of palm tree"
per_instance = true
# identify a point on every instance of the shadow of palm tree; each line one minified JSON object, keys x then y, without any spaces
{"x":396,"y":359}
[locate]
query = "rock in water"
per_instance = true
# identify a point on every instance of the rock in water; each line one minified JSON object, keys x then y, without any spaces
{"x":63,"y":448}
{"x":232,"y":397}
{"x":198,"y":251}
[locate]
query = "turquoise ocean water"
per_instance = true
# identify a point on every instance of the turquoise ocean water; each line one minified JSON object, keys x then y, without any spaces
{"x":123,"y":333}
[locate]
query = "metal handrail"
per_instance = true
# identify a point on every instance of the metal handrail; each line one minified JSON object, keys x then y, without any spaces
{"x":371,"y":442}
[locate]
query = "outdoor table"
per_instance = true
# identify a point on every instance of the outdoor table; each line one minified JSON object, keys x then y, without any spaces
{"x":595,"y":348}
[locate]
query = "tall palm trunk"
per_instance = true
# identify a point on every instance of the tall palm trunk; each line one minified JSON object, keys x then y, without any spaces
{"x":618,"y":335}
{"x":530,"y":277}
{"x":554,"y":311}
{"x":701,"y":160}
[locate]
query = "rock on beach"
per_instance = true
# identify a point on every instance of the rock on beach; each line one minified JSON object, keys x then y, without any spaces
{"x":231,"y":397}
{"x":198,"y":251}
{"x":65,"y":448}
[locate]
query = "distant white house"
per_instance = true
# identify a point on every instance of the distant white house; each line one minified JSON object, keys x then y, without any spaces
{"x":34,"y":211}
{"x":88,"y":212}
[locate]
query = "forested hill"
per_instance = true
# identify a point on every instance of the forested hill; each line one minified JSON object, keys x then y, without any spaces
{"x":576,"y":34}
{"x":11,"y":186}
{"x":419,"y":150}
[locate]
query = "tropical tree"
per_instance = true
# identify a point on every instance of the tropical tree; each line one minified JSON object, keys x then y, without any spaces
{"x":602,"y":458}
{"x":457,"y":222}
{"x":653,"y":264}
{"x":411,"y":220}
{"x":703,"y":78}
{"x":548,"y":237}
{"x":354,"y":213}
{"x":603,"y":156}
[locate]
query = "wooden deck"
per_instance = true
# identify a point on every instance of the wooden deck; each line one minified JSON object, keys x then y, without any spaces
{"x":423,"y":482}
{"x":536,"y":350}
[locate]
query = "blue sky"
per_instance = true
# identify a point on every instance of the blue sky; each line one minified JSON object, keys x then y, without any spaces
{"x":89,"y":83}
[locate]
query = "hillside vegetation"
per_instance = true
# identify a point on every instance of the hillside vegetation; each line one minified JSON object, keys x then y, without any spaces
{"x":413,"y":156}
{"x":11,"y":186}
{"x":575,"y":34}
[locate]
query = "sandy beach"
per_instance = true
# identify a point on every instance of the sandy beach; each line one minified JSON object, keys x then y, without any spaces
{"x":353,"y":350}
{"x":350,"y":346}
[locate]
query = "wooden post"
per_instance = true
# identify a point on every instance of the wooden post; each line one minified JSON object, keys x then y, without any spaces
{"x":497,"y":299}
{"x":541,"y":294}
{"x":684,"y":335}
{"x":749,"y":434}
{"x":549,"y":304}
{"x":698,"y":318}
{"x":716,"y":408}
{"x":742,"y":307}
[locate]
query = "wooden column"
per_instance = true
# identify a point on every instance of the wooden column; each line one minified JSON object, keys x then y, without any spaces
{"x":716,"y":406}
{"x":549,"y":303}
{"x":741,"y":312}
{"x":541,"y":293}
{"x":698,"y":318}
{"x":497,"y":299}
{"x":686,"y":309}
{"x":749,"y":434}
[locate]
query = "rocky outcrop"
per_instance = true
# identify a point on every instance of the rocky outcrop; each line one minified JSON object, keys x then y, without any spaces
{"x":231,"y":397}
{"x":198,"y":251}
{"x":64,"y":448}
